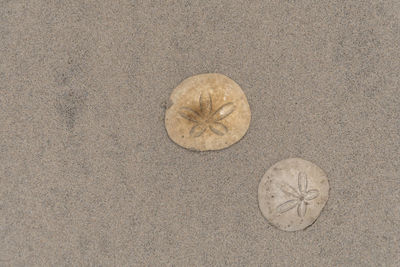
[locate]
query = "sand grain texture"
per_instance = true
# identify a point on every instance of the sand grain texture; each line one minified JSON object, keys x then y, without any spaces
{"x":89,"y":176}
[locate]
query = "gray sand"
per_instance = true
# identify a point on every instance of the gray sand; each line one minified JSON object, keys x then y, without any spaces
{"x":89,"y":177}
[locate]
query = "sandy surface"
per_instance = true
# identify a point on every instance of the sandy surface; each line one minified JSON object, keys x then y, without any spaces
{"x":89,"y":177}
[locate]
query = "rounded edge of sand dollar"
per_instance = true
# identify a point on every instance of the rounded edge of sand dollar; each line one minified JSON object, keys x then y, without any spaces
{"x":207,"y":112}
{"x":292,"y":194}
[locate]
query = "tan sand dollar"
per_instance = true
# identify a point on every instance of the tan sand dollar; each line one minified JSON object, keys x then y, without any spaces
{"x":292,"y":194}
{"x":207,"y":112}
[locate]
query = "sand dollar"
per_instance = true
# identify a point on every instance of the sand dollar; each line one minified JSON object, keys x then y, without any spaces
{"x":292,"y":194}
{"x":207,"y":112}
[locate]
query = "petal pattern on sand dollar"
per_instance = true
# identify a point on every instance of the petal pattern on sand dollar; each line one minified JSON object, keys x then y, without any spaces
{"x":218,"y":128}
{"x":198,"y":130}
{"x":302,"y":208}
{"x":206,"y":118}
{"x":311,"y":194}
{"x":302,"y":180}
{"x":223,"y":112}
{"x":301,"y":196}
{"x":205,"y":104}
{"x":189,"y":114}
{"x":289,"y":191}
{"x":288,"y":205}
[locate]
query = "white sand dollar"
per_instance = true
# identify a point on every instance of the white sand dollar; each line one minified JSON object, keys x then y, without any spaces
{"x":207,"y":112}
{"x":292,"y":194}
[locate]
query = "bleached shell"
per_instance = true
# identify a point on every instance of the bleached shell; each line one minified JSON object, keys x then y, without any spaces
{"x":292,"y":194}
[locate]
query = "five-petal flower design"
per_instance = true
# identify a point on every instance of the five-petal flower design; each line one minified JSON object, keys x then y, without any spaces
{"x":299,"y":198}
{"x":206,"y":117}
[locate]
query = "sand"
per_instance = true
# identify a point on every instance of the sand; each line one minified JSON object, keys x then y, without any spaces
{"x":89,"y":177}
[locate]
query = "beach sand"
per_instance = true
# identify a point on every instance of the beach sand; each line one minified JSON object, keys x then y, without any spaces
{"x":89,"y":177}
